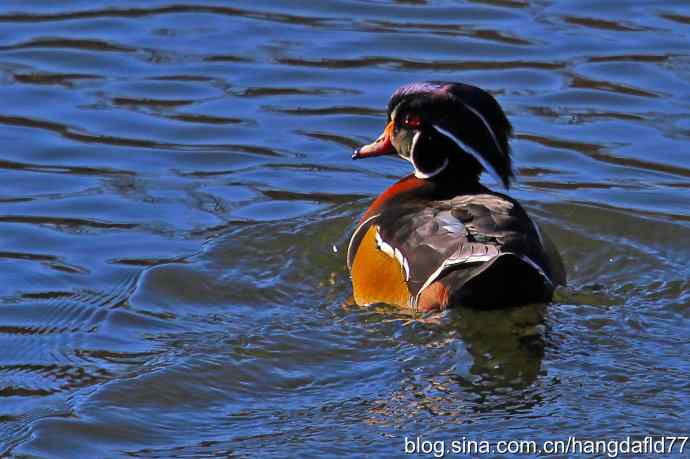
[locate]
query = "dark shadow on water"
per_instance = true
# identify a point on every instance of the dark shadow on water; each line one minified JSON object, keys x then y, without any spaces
{"x":507,"y":345}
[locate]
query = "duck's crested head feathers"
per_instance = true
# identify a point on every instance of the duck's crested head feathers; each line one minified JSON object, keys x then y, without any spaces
{"x":436,"y":124}
{"x":466,"y":114}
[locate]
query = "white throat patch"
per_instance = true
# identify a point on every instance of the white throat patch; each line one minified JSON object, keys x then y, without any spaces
{"x":417,"y":172}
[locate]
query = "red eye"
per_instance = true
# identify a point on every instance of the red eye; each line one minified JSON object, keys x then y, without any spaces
{"x":412,"y":120}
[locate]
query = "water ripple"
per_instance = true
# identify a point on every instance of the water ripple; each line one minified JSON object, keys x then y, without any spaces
{"x":177,"y":194}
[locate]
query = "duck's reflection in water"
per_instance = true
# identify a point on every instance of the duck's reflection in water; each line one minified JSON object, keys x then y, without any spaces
{"x":477,"y":363}
{"x":506,"y":345}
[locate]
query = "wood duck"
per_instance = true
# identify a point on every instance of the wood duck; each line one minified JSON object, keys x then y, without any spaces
{"x":438,"y":238}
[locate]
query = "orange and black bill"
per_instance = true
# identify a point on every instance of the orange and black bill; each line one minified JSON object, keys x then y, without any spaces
{"x":381,"y":146}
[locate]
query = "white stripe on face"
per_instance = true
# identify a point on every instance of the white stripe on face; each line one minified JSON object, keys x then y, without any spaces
{"x":474,"y":153}
{"x":487,"y":125}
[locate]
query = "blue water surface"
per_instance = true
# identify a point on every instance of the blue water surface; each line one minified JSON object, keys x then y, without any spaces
{"x":176,"y":196}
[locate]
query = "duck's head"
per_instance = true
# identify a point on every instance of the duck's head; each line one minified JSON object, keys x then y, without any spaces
{"x":446,"y":128}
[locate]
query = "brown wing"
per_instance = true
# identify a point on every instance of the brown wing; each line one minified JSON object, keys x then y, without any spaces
{"x":467,"y":235}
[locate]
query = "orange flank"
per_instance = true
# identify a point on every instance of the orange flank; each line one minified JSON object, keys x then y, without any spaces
{"x":377,"y":277}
